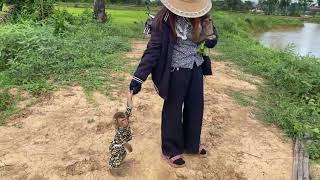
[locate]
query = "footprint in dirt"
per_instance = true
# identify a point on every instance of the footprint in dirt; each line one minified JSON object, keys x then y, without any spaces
{"x":82,"y":167}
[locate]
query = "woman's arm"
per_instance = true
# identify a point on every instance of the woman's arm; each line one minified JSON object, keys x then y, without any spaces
{"x":149,"y":59}
{"x":150,"y":56}
{"x":212,"y":41}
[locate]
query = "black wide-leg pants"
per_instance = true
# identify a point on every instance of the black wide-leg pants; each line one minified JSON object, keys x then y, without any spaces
{"x":182,"y":112}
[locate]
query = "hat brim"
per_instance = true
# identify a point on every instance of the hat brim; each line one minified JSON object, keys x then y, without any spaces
{"x":189,"y":9}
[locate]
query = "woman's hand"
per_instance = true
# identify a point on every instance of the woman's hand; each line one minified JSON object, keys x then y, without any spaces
{"x":208,"y":28}
{"x":135,"y":87}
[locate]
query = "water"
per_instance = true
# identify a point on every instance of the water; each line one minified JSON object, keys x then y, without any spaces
{"x":305,"y":40}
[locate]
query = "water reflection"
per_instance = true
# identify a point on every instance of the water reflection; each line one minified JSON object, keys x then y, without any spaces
{"x":306,"y":40}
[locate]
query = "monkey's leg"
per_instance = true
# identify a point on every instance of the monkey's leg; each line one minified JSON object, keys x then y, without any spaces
{"x":128,"y":147}
{"x":115,"y":161}
{"x":123,"y":154}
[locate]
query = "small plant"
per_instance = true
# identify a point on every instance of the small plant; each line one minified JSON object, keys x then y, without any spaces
{"x":31,"y":9}
{"x":6,"y":101}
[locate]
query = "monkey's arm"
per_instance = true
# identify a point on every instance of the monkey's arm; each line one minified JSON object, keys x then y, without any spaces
{"x":128,"y":147}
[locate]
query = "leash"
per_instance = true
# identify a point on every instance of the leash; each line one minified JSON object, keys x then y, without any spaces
{"x":129,"y":104}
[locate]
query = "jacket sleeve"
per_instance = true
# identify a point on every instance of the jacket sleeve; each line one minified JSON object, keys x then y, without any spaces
{"x":150,"y":56}
{"x":211,"y":43}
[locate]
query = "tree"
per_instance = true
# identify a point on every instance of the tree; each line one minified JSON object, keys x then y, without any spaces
{"x":235,"y":5}
{"x":269,"y":6}
{"x":248,"y":5}
{"x":294,"y":9}
{"x":1,"y":5}
{"x":283,"y":6}
{"x":305,"y":4}
{"x":100,"y":11}
{"x":318,"y":2}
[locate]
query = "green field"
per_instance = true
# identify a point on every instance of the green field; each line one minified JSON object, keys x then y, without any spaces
{"x":70,"y":48}
{"x":120,"y":16}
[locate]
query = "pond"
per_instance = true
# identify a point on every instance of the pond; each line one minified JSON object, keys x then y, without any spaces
{"x":304,"y":40}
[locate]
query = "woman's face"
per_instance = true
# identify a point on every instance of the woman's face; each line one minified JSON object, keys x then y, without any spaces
{"x":123,"y":122}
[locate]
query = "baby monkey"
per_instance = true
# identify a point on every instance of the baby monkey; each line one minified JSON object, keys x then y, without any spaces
{"x":123,"y":135}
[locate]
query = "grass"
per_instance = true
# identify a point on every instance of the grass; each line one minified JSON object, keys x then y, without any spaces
{"x":243,"y":98}
{"x":118,"y":16}
{"x":71,"y":49}
{"x":290,"y":96}
{"x":7,"y":106}
{"x":65,"y":50}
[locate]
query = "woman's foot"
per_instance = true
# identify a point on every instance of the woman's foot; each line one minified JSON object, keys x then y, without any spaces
{"x":202,"y":152}
{"x":174,"y":161}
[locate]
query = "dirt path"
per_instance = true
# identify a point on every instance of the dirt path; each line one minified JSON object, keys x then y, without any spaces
{"x":65,"y":137}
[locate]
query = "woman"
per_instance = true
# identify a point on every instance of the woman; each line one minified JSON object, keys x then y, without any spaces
{"x":177,"y":72}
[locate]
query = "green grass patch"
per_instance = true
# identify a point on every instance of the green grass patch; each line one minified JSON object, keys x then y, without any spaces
{"x":64,"y":50}
{"x":117,"y":16}
{"x":244,"y":99}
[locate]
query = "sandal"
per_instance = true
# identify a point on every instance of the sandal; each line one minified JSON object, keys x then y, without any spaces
{"x":174,"y":161}
{"x":202,"y":152}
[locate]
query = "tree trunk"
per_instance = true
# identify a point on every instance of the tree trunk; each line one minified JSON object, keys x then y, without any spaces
{"x":1,"y":5}
{"x":99,"y":10}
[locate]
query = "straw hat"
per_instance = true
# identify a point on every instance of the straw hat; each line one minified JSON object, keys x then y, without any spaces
{"x":188,"y":8}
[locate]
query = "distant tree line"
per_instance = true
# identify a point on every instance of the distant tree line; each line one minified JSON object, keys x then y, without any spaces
{"x":1,"y":4}
{"x":233,"y":5}
{"x":274,"y":7}
{"x":285,"y":7}
{"x":137,"y":2}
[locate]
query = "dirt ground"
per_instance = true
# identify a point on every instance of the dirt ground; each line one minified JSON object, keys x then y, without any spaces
{"x":66,"y":137}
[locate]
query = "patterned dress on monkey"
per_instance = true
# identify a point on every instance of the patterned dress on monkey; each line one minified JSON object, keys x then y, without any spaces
{"x":117,"y":149}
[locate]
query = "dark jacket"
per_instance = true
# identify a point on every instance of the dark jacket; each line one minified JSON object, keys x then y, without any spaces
{"x":157,"y":57}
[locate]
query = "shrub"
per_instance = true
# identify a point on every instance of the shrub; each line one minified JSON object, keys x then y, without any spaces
{"x":34,"y":57}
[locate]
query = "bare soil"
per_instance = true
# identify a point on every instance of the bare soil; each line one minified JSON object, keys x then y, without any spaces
{"x":67,"y":137}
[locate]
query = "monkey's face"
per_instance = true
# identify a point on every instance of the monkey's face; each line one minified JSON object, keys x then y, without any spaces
{"x":123,"y":122}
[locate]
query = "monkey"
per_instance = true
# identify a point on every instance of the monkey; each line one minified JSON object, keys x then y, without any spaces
{"x":120,"y":142}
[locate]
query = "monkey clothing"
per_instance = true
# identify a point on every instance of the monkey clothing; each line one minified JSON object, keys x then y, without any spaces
{"x":117,"y":149}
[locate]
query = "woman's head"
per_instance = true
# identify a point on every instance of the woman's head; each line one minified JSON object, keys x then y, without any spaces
{"x":188,"y":8}
{"x":195,"y":10}
{"x":196,"y":23}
